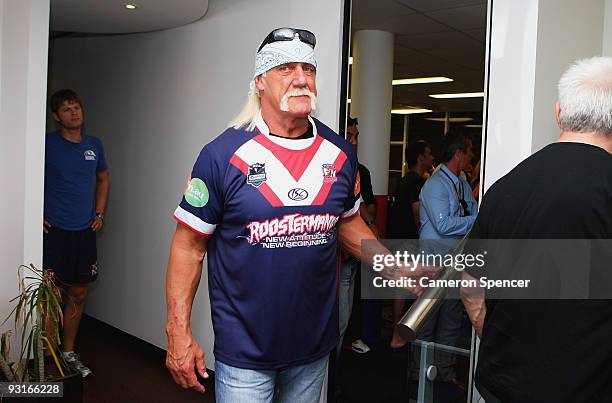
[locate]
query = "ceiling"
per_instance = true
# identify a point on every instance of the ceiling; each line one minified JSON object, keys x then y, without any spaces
{"x":432,"y":38}
{"x":111,"y":16}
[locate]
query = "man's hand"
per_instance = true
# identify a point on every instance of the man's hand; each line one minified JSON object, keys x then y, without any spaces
{"x":183,"y":358}
{"x":46,"y":226}
{"x":97,"y":223}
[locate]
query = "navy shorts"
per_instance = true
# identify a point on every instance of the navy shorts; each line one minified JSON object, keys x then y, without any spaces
{"x":71,"y":255}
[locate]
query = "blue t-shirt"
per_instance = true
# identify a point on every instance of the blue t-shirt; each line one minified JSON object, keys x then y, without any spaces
{"x":272,"y":206}
{"x":70,"y":179}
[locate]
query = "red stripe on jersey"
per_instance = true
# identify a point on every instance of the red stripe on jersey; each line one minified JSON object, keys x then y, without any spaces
{"x":240,"y":164}
{"x":322,"y":195}
{"x":264,"y":189}
{"x":295,"y":161}
{"x":269,"y":194}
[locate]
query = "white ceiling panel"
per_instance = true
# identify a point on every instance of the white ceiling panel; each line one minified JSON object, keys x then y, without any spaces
{"x":479,"y":34}
{"x":440,"y":40}
{"x":432,"y":38}
{"x":468,"y":57}
{"x":380,"y":8}
{"x":413,"y":24}
{"x":111,"y":16}
{"x":433,"y":5}
{"x":462,"y":18}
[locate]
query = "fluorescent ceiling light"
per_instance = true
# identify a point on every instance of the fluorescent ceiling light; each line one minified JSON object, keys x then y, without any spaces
{"x":474,"y":126}
{"x":459,"y":95}
{"x":452,"y":120}
{"x":351,"y":60}
{"x":421,"y":80}
{"x":409,"y":111}
{"x":130,"y":6}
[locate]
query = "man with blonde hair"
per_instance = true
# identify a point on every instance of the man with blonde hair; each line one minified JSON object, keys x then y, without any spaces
{"x":268,"y":201}
{"x":553,"y":350}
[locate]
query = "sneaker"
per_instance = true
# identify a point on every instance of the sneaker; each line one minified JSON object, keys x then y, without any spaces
{"x":74,"y":361}
{"x":360,"y":347}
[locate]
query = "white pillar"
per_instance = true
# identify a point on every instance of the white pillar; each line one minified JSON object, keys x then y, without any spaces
{"x":24,"y":39}
{"x":371,"y":96}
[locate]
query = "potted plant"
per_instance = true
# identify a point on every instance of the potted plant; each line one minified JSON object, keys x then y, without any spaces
{"x":37,"y":317}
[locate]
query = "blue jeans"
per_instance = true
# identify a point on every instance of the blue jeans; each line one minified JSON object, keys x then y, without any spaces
{"x":299,"y":384}
{"x":348,"y":271}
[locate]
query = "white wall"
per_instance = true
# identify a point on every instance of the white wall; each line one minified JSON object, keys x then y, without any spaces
{"x":24,"y":30}
{"x":155,"y":99}
{"x":532,"y":43}
{"x":568,"y":30}
{"x":607,"y":40}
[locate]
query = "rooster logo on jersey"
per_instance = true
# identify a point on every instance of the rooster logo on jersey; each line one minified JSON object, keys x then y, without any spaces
{"x":257,"y":174}
{"x":329,"y":173}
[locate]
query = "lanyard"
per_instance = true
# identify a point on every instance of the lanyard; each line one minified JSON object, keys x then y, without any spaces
{"x":459,"y":192}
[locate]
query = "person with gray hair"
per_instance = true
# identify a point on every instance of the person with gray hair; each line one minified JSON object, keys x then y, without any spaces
{"x":553,"y":350}
{"x":267,"y":202}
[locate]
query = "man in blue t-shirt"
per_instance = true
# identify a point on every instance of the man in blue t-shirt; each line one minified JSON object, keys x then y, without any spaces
{"x":73,"y":212}
{"x":267,"y":202}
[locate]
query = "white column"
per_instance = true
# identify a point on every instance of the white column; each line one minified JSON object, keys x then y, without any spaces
{"x":24,"y":38}
{"x":371,"y":96}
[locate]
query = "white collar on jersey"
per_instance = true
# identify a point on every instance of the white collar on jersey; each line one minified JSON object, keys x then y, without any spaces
{"x":291,"y":144}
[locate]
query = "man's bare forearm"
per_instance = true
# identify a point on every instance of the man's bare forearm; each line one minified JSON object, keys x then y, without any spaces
{"x":351,"y":232}
{"x":183,"y":277}
{"x":475,"y":305}
{"x":102,"y":186}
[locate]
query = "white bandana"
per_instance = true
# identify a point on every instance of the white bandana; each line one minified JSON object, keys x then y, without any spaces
{"x":281,"y":52}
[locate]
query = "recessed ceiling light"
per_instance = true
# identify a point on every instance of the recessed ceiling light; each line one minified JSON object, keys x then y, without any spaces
{"x":459,"y":95}
{"x":130,"y":6}
{"x":421,"y":80}
{"x":452,"y":120}
{"x":348,"y":101}
{"x":409,"y":111}
{"x":351,"y":60}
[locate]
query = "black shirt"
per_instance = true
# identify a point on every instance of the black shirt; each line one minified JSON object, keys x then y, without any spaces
{"x":402,"y":224}
{"x":367,"y":194}
{"x":549,"y":350}
{"x":306,"y":135}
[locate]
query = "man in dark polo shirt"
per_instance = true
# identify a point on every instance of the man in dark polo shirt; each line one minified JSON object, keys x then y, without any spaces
{"x":76,"y":189}
{"x":545,"y":350}
{"x":404,"y":218}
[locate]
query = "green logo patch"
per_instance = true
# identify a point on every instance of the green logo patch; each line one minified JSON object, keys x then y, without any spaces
{"x":196,"y":193}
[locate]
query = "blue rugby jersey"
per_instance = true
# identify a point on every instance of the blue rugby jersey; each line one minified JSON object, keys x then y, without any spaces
{"x":272,"y":206}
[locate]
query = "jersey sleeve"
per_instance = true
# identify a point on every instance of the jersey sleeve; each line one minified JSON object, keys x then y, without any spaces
{"x":200,"y":208}
{"x":352,"y":201}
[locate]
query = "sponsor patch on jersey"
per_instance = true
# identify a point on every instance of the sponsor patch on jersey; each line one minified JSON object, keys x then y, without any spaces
{"x":329,"y":173}
{"x":297,"y":194}
{"x":196,"y":193}
{"x":89,"y":155}
{"x":257,"y":174}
